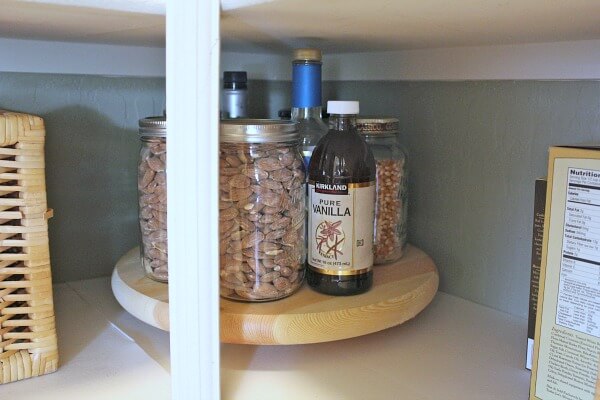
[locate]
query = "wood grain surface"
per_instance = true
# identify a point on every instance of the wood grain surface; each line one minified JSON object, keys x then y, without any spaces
{"x":142,"y":297}
{"x":400,"y":291}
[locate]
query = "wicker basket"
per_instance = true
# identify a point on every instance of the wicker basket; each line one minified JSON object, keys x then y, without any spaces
{"x":27,"y":330}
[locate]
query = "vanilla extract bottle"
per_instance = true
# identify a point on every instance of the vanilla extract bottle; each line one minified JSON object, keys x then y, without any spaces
{"x":341,"y":189}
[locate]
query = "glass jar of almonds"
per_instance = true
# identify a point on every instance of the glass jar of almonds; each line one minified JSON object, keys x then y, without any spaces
{"x":152,"y":189}
{"x":261,"y":210}
{"x":391,"y":187}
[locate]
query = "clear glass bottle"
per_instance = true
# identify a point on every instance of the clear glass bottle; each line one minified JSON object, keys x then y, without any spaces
{"x":262,"y":210}
{"x":234,"y":97}
{"x":392,"y":192}
{"x":306,"y":99}
{"x":152,"y":189}
{"x":341,"y":186}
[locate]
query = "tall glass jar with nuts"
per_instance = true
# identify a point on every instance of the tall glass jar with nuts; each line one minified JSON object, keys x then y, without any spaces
{"x":391,"y":200}
{"x":261,"y":210}
{"x":152,"y":189}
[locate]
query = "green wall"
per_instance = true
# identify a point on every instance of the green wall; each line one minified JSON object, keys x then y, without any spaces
{"x":91,"y":162}
{"x":475,"y":151}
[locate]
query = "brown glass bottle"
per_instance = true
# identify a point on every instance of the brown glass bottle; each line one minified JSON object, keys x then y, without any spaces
{"x":341,"y":175}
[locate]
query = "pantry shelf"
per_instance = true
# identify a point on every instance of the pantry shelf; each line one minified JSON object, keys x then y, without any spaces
{"x":400,"y":291}
{"x":121,"y":22}
{"x":381,"y":25}
{"x":276,"y":26}
{"x":454,"y":350}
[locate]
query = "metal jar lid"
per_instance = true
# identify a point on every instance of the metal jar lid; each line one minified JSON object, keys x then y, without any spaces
{"x":258,"y":131}
{"x":153,"y":126}
{"x":377,"y":125}
{"x":307,"y":55}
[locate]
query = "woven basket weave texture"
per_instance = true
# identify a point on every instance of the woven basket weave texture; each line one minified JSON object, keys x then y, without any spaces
{"x":27,"y":329}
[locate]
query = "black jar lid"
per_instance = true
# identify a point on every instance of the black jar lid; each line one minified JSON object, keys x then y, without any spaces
{"x":235,"y":77}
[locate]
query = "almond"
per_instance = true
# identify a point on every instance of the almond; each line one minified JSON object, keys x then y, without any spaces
{"x":252,"y":239}
{"x":269,"y":164}
{"x":262,"y":199}
{"x":239,"y":181}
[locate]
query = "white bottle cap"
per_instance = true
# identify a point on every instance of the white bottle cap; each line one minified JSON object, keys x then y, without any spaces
{"x":342,"y":107}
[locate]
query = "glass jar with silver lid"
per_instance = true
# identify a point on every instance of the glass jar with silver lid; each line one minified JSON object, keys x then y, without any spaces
{"x":391,"y":186}
{"x":152,"y":189}
{"x":261,"y":210}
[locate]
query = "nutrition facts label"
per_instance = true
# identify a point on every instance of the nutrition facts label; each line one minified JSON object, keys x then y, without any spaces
{"x":579,"y":289}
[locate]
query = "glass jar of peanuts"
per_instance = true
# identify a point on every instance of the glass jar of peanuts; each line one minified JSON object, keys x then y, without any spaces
{"x":261,"y":210}
{"x":152,"y":189}
{"x":391,"y":187}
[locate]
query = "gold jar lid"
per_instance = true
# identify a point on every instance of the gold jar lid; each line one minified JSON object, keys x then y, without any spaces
{"x":377,"y":125}
{"x":258,"y":131}
{"x":307,"y":55}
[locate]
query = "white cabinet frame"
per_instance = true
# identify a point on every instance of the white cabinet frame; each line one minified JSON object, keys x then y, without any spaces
{"x":193,"y":51}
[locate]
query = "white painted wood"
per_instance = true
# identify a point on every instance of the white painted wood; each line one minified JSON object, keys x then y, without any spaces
{"x":233,"y":4}
{"x":376,"y":25}
{"x":79,"y":58}
{"x":139,"y":6}
{"x":192,"y":164}
{"x":561,"y":60}
{"x":154,"y":341}
{"x":349,"y":26}
{"x":98,"y":360}
{"x":453,"y":350}
{"x":127,"y":22}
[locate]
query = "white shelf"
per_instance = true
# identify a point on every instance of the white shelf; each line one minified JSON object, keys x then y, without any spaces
{"x":337,"y":27}
{"x":374,"y":40}
{"x":454,"y":349}
{"x":122,"y":22}
{"x":97,"y":359}
{"x":549,"y":61}
{"x":383,"y":25}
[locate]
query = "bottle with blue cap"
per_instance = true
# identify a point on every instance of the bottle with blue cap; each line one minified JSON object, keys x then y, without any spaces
{"x":341,"y":192}
{"x":306,"y":99}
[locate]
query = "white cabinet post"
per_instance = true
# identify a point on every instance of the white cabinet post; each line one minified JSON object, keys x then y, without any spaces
{"x":192,"y":110}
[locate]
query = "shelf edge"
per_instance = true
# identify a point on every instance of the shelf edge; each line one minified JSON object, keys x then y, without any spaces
{"x":539,"y":61}
{"x":535,"y":61}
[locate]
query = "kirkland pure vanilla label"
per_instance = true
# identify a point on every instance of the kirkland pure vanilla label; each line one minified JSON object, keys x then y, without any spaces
{"x":340,"y":223}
